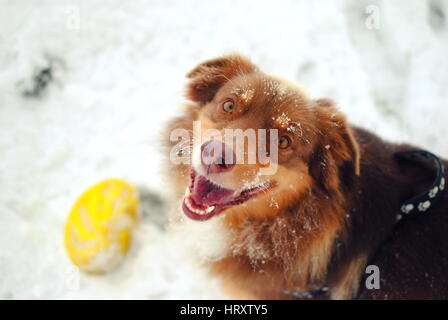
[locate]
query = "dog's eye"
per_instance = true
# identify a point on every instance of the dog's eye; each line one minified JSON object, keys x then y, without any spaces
{"x":228,"y":106}
{"x":284,"y":142}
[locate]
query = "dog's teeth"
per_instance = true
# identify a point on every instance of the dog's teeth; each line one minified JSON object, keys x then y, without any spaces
{"x":197,"y":210}
{"x":187,"y":192}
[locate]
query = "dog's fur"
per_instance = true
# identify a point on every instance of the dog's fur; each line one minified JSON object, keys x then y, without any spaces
{"x":335,"y":205}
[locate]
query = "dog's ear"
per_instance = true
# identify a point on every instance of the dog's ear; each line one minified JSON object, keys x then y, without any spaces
{"x":336,"y":156}
{"x":209,"y":76}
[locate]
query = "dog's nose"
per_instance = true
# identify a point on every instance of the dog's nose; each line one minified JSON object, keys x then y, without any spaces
{"x":216,"y":157}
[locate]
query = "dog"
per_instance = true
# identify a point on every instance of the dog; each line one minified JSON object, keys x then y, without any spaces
{"x":330,"y":209}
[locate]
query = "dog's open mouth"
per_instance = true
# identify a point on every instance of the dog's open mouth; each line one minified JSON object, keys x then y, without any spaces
{"x":204,"y":199}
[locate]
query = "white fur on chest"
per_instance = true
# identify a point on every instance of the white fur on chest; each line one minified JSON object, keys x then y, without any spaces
{"x":205,"y":240}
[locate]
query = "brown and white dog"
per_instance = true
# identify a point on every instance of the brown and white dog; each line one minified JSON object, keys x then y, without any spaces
{"x":329,"y":210}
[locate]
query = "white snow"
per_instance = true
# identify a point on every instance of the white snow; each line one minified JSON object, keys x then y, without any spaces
{"x":122,"y":75}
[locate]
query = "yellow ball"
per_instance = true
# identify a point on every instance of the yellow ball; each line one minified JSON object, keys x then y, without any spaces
{"x":98,"y":229}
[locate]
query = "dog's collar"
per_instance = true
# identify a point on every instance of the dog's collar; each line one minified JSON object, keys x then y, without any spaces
{"x":307,"y":294}
{"x":424,"y":201}
{"x":414,"y":206}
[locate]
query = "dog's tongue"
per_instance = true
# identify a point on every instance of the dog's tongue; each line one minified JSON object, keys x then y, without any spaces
{"x":206,"y":193}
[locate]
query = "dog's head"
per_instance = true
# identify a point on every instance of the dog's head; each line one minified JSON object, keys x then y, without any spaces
{"x":260,"y":142}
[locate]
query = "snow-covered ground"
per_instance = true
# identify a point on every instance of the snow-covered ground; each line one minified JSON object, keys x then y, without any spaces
{"x":119,"y":74}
